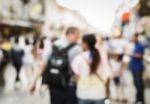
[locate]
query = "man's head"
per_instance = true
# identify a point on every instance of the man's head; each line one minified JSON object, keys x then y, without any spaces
{"x":73,"y":34}
{"x":135,"y":37}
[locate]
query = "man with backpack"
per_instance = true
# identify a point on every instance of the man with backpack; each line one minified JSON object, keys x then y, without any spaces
{"x":58,"y":74}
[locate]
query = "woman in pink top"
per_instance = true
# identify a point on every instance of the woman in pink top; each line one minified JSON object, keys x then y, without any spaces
{"x":92,"y":71}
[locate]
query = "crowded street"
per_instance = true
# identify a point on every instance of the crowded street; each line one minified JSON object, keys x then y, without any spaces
{"x":74,"y":52}
{"x":23,"y":97}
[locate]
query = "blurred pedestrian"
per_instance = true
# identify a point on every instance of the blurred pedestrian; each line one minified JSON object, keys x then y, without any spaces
{"x":39,"y":52}
{"x":6,"y":56}
{"x":28,"y":61}
{"x":17,"y":54}
{"x":137,"y":67}
{"x":118,"y":71}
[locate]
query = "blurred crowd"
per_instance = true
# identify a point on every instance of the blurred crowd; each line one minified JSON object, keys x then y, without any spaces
{"x":95,"y":62}
{"x":24,"y":52}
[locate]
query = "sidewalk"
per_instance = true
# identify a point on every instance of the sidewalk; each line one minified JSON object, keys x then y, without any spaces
{"x":22,"y":97}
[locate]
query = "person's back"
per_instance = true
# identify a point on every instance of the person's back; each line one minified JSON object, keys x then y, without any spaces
{"x":67,"y":95}
{"x":63,"y":43}
{"x":28,"y":56}
{"x":84,"y":73}
{"x":16,"y":57}
{"x":93,"y":71}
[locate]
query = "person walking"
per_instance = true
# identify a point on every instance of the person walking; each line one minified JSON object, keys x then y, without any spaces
{"x":28,"y":62}
{"x":17,"y":54}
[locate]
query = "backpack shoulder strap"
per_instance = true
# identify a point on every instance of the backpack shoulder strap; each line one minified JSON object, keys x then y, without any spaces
{"x":70,"y":46}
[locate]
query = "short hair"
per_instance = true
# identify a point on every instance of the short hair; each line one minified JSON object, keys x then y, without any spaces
{"x":16,"y":39}
{"x":72,"y":30}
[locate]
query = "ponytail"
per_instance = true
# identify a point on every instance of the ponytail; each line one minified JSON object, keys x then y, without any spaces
{"x":95,"y":60}
{"x":90,"y":40}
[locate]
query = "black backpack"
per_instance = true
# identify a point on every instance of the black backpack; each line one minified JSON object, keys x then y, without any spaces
{"x":57,"y":73}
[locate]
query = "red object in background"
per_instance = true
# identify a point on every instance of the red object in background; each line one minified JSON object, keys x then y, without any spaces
{"x":125,"y":17}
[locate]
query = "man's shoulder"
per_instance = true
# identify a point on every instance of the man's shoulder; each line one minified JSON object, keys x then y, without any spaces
{"x":61,"y":42}
{"x":76,"y":47}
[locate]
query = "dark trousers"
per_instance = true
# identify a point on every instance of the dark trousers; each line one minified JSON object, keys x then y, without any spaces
{"x":80,"y":101}
{"x":138,"y":81}
{"x":3,"y":64}
{"x":18,"y":68}
{"x":59,"y":96}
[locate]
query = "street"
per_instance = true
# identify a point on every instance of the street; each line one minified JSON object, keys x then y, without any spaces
{"x":42,"y":97}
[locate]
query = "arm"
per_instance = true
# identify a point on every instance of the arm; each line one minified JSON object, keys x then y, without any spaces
{"x":75,"y":68}
{"x":137,"y":55}
{"x":121,"y":69}
{"x":138,"y":52}
{"x":40,"y":72}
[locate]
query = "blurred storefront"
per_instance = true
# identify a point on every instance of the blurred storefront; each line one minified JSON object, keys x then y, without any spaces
{"x":46,"y":15}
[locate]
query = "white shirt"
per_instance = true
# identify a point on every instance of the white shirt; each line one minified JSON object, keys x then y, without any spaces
{"x":118,"y":45}
{"x":116,"y":67}
{"x":47,"y":49}
{"x":81,"y":68}
{"x":73,"y":52}
{"x":28,"y":57}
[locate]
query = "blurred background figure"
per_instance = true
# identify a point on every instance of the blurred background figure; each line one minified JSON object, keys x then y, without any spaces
{"x":117,"y":47}
{"x":5,"y":56}
{"x":137,"y":68}
{"x":17,"y":54}
{"x":118,"y":71}
{"x":28,"y":61}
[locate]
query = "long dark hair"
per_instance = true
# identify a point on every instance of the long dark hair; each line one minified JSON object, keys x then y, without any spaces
{"x":90,"y":41}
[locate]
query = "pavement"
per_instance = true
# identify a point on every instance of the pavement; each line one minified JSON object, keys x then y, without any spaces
{"x":22,"y":96}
